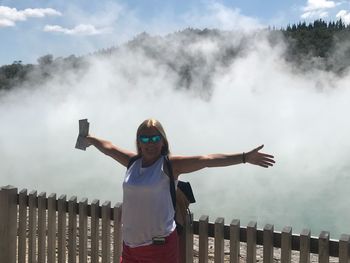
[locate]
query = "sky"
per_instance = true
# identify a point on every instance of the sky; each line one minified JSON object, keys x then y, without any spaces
{"x":31,"y":29}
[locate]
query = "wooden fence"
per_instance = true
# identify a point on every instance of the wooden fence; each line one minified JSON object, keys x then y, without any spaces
{"x":35,"y":228}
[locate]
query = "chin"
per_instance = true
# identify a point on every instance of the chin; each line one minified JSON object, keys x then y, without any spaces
{"x":152,"y":154}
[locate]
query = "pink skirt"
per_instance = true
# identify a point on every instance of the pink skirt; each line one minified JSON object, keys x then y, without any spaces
{"x":168,"y":252}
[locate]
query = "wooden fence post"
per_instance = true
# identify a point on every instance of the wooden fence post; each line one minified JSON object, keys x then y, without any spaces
{"x":286,"y":245}
{"x":61,"y":226}
{"x":106,"y":232}
{"x":83,"y":216}
{"x":186,"y":241}
{"x":305,"y":246}
{"x":51,"y":228}
{"x":251,"y":242}
{"x":42,"y":227}
{"x":72,"y":229}
{"x":32,"y":225}
{"x":203,"y":239}
{"x":323,"y":247}
{"x":22,"y":226}
{"x":268,"y":244}
{"x":344,"y":243}
{"x":117,"y":234}
{"x":95,"y":222}
{"x":234,"y":240}
{"x":8,"y":224}
{"x":219,"y":240}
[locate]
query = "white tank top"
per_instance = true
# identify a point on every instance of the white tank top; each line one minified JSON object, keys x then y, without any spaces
{"x":147,"y":206}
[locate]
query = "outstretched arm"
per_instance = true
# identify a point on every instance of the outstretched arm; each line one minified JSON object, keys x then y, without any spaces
{"x":187,"y":164}
{"x":121,"y":155}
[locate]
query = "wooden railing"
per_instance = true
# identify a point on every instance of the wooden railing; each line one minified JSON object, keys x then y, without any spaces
{"x":35,"y":228}
{"x":269,"y":239}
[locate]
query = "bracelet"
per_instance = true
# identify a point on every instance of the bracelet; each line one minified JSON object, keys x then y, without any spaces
{"x":243,"y":157}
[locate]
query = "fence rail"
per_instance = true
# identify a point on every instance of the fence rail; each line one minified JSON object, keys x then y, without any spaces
{"x":35,"y":228}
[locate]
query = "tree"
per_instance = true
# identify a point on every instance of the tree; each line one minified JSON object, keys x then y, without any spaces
{"x":45,"y":60}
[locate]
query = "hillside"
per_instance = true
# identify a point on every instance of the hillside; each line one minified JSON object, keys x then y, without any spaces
{"x":194,"y":55}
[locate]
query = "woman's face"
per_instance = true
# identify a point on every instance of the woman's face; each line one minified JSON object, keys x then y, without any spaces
{"x":150,"y":143}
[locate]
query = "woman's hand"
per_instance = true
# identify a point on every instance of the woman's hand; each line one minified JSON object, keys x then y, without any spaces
{"x":258,"y":158}
{"x":85,"y":140}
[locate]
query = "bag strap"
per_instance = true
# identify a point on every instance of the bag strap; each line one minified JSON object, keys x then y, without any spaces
{"x":168,"y":166}
{"x":172,"y":180}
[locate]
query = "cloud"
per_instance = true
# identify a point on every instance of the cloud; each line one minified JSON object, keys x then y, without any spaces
{"x":344,"y":15}
{"x":317,"y":9}
{"x":314,"y":5}
{"x":6,"y":23}
{"x":82,"y":29}
{"x":9,"y":16}
{"x":314,"y":14}
{"x":223,"y":17}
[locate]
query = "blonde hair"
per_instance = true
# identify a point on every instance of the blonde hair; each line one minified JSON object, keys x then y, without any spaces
{"x":158,"y":126}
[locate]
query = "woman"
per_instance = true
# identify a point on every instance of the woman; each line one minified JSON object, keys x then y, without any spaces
{"x":149,"y":229}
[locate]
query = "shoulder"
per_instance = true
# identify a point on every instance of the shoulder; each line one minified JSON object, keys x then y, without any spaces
{"x":176,"y":159}
{"x":186,"y":164}
{"x":132,"y":159}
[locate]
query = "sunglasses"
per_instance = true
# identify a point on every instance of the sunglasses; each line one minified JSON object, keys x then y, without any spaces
{"x":149,"y":139}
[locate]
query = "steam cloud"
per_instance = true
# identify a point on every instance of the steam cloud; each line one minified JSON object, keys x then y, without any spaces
{"x":230,"y":106}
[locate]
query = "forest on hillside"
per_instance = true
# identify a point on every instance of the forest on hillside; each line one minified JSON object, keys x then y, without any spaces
{"x":318,"y":45}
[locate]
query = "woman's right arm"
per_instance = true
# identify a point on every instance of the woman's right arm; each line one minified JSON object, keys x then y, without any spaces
{"x":120,"y":155}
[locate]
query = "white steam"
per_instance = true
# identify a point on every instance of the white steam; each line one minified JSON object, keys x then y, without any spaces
{"x":257,"y":99}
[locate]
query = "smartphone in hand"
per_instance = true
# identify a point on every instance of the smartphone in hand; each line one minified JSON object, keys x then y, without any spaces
{"x":83,"y":132}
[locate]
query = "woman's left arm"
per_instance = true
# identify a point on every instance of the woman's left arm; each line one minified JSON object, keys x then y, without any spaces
{"x":188,"y":164}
